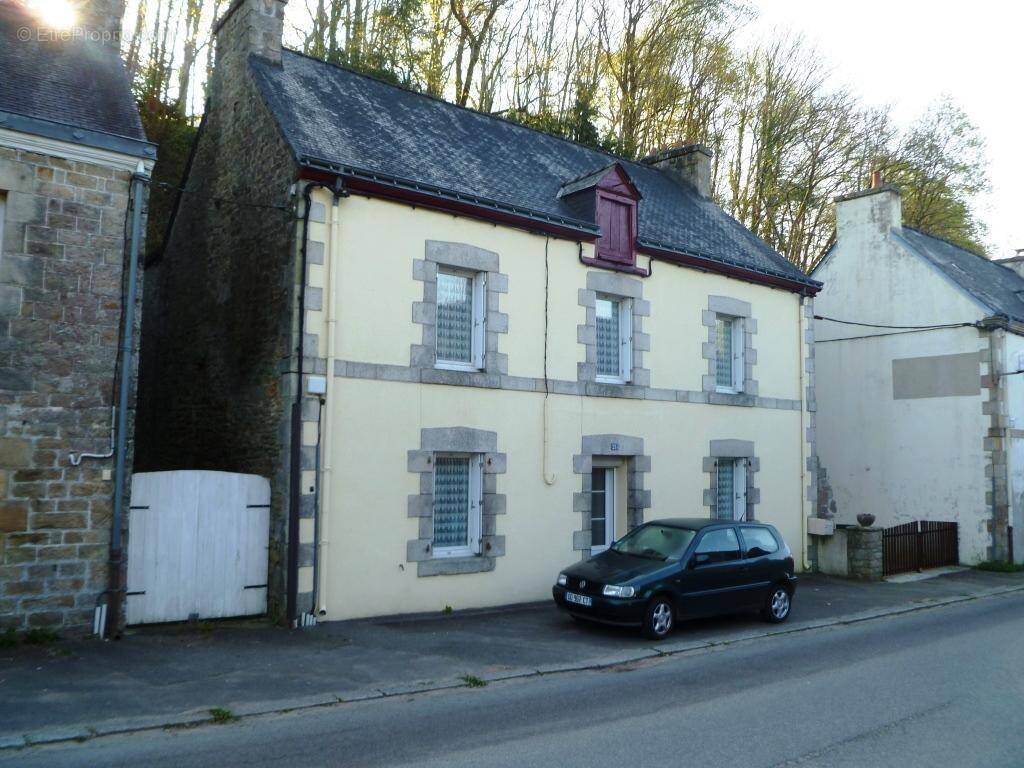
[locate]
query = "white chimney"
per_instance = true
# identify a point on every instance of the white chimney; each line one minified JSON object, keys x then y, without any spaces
{"x":872,"y":213}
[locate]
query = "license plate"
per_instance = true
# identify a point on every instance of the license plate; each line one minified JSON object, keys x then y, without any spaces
{"x":578,"y":599}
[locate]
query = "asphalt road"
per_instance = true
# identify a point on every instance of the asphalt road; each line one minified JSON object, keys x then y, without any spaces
{"x":943,"y":687}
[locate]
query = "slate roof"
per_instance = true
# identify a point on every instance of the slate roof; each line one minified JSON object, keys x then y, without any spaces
{"x":336,"y":118}
{"x":75,"y":89}
{"x":996,"y":287}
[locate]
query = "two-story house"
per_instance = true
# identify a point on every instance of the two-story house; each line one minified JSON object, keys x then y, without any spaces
{"x":465,"y":352}
{"x":921,"y":387}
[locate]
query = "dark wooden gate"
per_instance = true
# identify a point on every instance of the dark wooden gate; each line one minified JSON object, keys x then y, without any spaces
{"x":919,"y":545}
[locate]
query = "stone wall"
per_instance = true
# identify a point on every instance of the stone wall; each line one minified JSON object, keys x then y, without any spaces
{"x":63,"y":253}
{"x":864,"y":553}
{"x":855,"y":553}
{"x":218,"y":336}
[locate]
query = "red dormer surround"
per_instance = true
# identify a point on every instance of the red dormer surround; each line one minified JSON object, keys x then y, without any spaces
{"x":610,"y":197}
{"x":615,"y":214}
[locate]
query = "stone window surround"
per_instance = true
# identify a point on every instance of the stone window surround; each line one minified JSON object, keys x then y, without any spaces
{"x":638,"y":464}
{"x":618,"y":285}
{"x":470,"y":258}
{"x":811,"y":405}
{"x":724,"y":305}
{"x":995,"y":448}
{"x":731,"y":449}
{"x":421,"y":505}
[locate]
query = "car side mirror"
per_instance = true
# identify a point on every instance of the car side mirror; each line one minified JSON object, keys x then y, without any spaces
{"x":701,"y":558}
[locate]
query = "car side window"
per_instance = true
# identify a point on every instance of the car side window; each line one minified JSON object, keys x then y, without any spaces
{"x":759,"y":541}
{"x":719,"y":546}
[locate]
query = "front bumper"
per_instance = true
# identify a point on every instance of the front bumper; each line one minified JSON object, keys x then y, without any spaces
{"x":627,"y":611}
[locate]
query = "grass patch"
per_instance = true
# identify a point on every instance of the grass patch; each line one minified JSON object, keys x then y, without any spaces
{"x":9,"y":638}
{"x":221,"y":715}
{"x":999,"y":566}
{"x":472,"y":681}
{"x":40,"y":636}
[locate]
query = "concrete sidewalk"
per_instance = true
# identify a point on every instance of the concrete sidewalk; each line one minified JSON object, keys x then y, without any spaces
{"x":171,"y":676}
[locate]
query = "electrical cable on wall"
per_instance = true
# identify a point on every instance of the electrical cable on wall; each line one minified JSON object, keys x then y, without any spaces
{"x":892,"y":330}
{"x":934,"y":326}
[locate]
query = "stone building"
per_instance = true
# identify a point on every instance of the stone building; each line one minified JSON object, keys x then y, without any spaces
{"x":70,"y":142}
{"x":465,"y":353}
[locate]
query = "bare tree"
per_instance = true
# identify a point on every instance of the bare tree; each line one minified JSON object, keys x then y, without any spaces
{"x":474,"y":18}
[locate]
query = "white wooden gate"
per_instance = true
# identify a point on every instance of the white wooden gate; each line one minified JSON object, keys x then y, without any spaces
{"x":197,"y":546}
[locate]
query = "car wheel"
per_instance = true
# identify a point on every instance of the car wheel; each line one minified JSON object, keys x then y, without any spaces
{"x":777,"y":605}
{"x":659,"y":619}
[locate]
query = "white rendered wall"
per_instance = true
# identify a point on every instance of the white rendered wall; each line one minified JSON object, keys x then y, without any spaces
{"x":899,"y":459}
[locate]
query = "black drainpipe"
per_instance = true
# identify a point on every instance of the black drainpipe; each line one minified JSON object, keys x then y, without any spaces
{"x":295,"y":481}
{"x":115,"y":586}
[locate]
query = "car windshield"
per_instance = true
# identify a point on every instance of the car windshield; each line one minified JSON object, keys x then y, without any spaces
{"x":656,"y":542}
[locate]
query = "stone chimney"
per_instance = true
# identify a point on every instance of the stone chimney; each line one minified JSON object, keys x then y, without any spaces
{"x":247,"y":27}
{"x":690,"y":163}
{"x":103,"y":17}
{"x":872,"y":213}
{"x":251,"y":26}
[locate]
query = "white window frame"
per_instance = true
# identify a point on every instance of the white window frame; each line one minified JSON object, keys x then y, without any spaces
{"x":739,"y":490}
{"x":610,"y":504}
{"x":479,"y":340}
{"x":476,"y":503}
{"x":738,"y":367}
{"x":625,"y":340}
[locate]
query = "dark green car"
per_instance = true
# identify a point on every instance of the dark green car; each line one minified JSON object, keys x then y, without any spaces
{"x":665,"y":570}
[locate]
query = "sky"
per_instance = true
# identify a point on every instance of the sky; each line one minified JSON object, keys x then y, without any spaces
{"x":906,"y":53}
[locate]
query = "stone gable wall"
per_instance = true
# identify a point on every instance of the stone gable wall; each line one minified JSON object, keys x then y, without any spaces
{"x":61,"y":265}
{"x":218,"y":336}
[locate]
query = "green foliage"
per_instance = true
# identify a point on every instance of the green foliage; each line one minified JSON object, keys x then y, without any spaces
{"x":8,"y":638}
{"x":40,"y":636}
{"x":999,"y":566}
{"x":376,"y":39}
{"x":940,"y":168}
{"x":221,"y":715}
{"x":577,"y":124}
{"x":447,"y":610}
{"x":173,"y":133}
{"x":472,"y":681}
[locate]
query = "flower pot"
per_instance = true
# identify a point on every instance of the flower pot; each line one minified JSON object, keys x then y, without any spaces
{"x":866,"y":519}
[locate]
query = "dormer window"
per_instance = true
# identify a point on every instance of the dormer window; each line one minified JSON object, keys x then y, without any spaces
{"x":609,"y":198}
{"x":616,"y":216}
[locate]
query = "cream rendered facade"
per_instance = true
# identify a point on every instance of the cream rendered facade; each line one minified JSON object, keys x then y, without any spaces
{"x":362,"y":293}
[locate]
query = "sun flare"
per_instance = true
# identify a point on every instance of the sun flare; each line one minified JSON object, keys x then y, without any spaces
{"x":55,"y":14}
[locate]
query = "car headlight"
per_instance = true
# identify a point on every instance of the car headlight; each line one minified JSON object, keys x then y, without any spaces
{"x":563,"y":580}
{"x":613,"y":590}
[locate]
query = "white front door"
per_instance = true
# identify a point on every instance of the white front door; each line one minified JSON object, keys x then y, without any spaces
{"x":602,"y":509}
{"x":731,"y":501}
